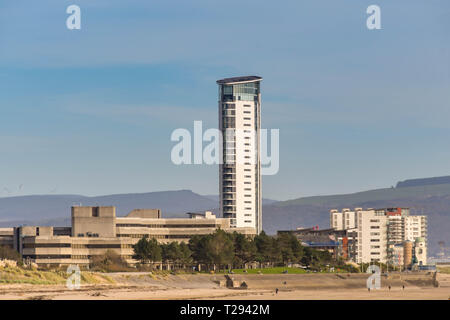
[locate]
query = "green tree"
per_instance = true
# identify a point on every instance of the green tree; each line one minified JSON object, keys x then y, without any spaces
{"x":185,"y":254}
{"x":220,"y":248}
{"x":171,"y":252}
{"x":147,"y":250}
{"x":264,"y":248}
{"x":198,"y":245}
{"x":290,"y":248}
{"x":244,"y":249}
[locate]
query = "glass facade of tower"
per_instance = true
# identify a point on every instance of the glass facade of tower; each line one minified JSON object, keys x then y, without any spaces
{"x":240,"y":91}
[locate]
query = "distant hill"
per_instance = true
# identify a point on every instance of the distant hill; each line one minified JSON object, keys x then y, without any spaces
{"x":346,"y":200}
{"x":40,"y":207}
{"x":423,"y":182}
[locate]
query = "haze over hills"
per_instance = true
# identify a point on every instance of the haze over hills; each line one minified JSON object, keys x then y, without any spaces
{"x":428,"y":196}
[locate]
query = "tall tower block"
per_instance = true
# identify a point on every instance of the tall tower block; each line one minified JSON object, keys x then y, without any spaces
{"x":240,"y":172}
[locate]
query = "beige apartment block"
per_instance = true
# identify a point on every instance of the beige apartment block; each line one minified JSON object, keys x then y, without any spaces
{"x":336,"y":221}
{"x":343,"y":220}
{"x":372,"y":237}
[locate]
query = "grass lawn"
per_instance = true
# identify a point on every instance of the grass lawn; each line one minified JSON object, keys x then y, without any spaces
{"x":275,"y":270}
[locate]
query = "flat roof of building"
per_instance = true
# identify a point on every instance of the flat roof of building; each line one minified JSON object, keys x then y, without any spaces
{"x":239,"y":80}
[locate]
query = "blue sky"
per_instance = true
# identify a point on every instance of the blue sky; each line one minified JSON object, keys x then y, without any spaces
{"x":91,"y":111}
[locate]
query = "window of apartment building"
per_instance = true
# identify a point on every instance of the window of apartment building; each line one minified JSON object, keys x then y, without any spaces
{"x":247,"y":202}
{"x":248,"y":208}
{"x":247,"y":195}
{"x":372,"y":220}
{"x":374,"y":227}
{"x":229,"y":106}
{"x":374,"y":240}
{"x":247,"y":221}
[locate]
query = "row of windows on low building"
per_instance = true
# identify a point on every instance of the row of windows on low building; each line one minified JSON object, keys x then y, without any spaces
{"x":76,"y":245}
{"x":156,"y":236}
{"x":65,"y":256}
{"x":167,"y":226}
{"x":103,"y":246}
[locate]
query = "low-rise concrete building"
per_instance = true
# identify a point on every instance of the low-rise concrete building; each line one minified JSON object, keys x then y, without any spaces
{"x":97,"y":229}
{"x":6,"y":237}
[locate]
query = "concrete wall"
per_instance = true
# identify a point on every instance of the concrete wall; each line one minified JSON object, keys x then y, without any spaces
{"x":99,"y":221}
{"x":6,"y":237}
{"x":145,"y":213}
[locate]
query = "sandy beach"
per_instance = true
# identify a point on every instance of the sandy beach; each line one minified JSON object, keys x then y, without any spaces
{"x":139,"y":286}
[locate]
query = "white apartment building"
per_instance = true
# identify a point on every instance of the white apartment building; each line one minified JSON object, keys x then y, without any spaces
{"x":240,"y":172}
{"x":381,"y":231}
{"x":336,"y":221}
{"x":371,"y":236}
{"x":415,"y":227}
{"x":344,"y":220}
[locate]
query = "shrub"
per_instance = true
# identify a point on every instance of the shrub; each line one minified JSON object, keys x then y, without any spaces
{"x":9,"y":254}
{"x":110,"y":261}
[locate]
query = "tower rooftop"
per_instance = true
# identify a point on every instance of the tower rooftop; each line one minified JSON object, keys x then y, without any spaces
{"x":242,"y":79}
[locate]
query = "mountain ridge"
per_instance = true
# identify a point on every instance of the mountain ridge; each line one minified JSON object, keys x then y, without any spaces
{"x":431,"y":199}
